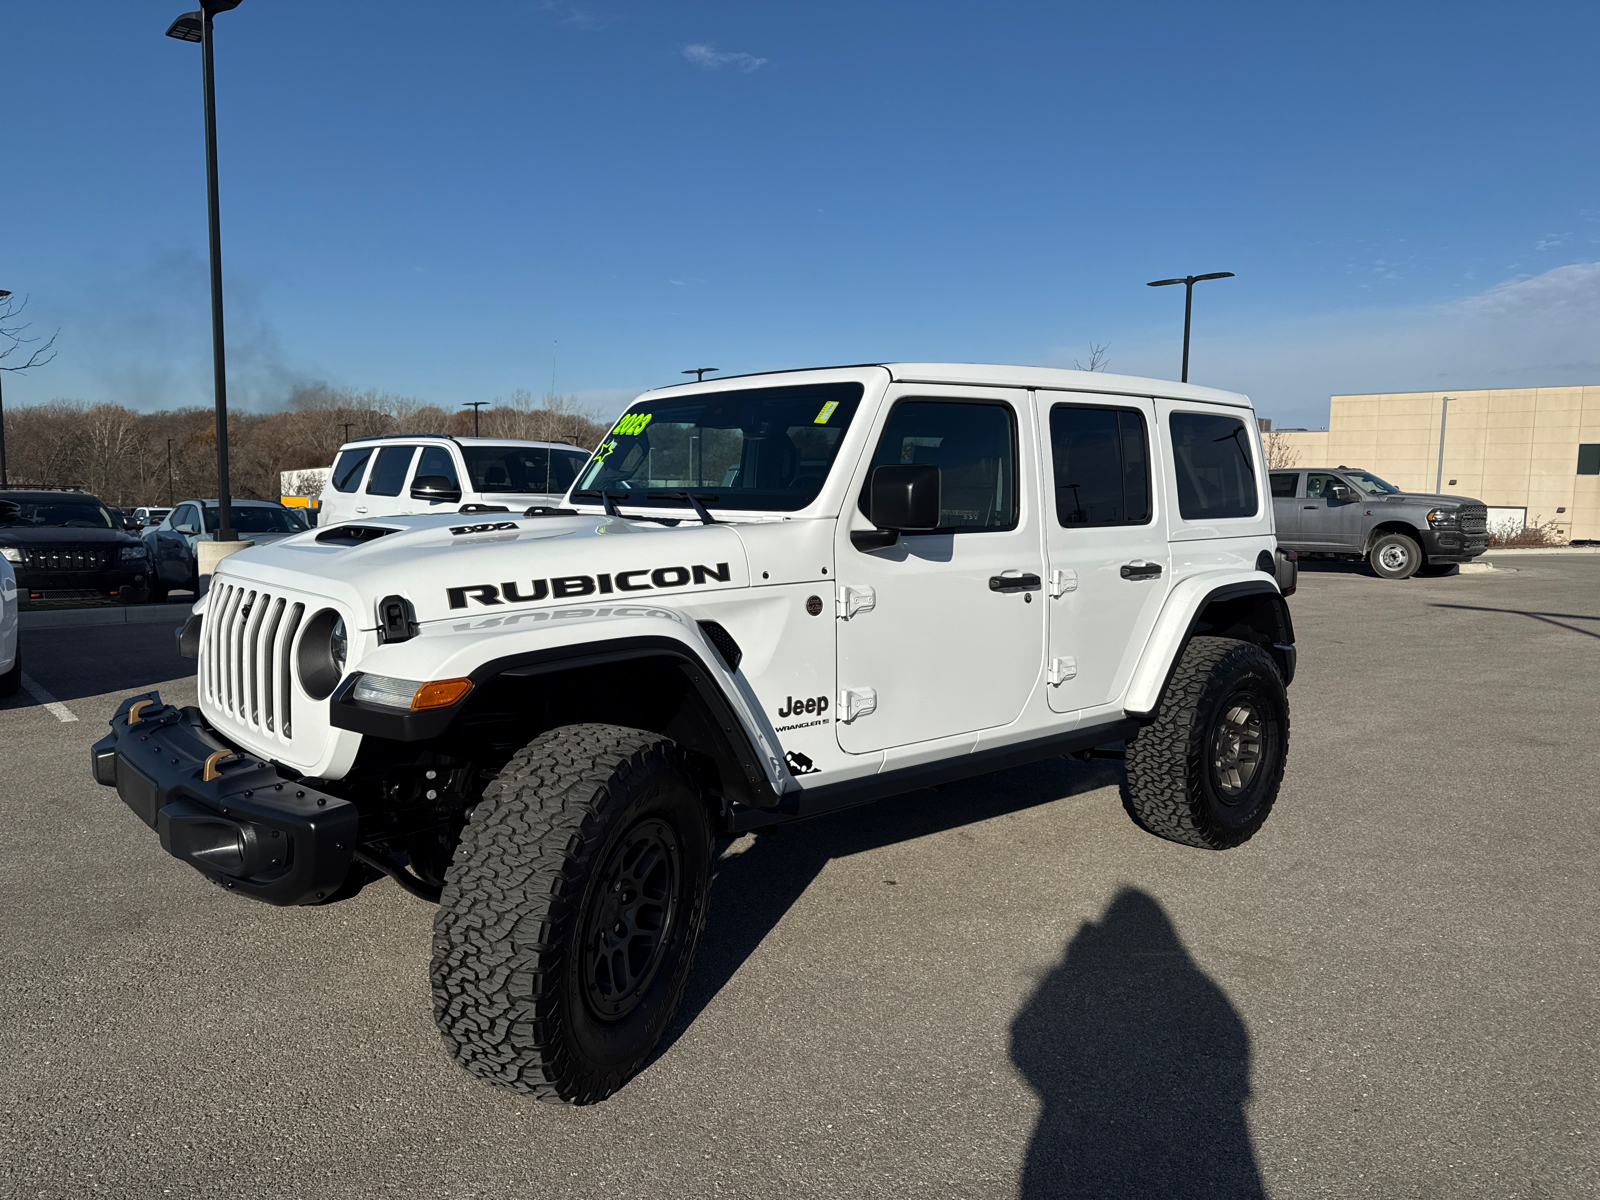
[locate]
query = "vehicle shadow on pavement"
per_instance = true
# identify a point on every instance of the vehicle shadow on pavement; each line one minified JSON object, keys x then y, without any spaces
{"x":751,"y":891}
{"x":72,"y":664}
{"x":1142,"y":1067}
{"x":1549,"y":618}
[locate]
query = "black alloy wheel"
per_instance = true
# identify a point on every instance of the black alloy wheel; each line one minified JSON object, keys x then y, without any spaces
{"x":1237,"y":747}
{"x":630,"y":919}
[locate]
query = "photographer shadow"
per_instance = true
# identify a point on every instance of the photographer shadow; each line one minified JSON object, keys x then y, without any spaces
{"x":1142,"y":1067}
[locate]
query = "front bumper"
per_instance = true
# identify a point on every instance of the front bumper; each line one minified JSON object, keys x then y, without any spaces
{"x":230,"y":815}
{"x":1452,"y":546}
{"x":83,"y":587}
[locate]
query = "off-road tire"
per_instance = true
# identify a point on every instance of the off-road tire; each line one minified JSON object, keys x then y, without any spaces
{"x":1395,"y":556}
{"x":1175,"y":788}
{"x":518,"y":991}
{"x":11,"y":681}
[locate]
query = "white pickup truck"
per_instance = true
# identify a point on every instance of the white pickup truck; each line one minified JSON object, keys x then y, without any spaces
{"x":764,"y":598}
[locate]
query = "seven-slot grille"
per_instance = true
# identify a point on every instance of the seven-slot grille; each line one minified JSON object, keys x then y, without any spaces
{"x":66,"y":558}
{"x":1474,"y":519}
{"x":246,"y":641}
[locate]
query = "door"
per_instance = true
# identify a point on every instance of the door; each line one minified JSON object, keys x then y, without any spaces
{"x":943,"y":632}
{"x":174,"y":550}
{"x":1108,"y":567}
{"x":1286,"y":506}
{"x":1327,"y":523}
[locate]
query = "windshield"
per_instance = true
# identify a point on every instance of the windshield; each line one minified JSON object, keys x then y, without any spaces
{"x":67,"y":512}
{"x":767,"y":449}
{"x":1371,"y":484}
{"x":250,"y":519}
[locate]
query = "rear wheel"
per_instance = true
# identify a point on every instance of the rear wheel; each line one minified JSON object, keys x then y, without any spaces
{"x":1206,"y":771}
{"x":570,"y":916}
{"x":1395,"y":556}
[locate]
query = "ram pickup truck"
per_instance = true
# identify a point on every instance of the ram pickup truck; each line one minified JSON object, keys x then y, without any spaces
{"x":1347,"y":512}
{"x":763,"y":598}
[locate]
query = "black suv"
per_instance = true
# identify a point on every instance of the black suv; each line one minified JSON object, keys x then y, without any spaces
{"x":67,"y":546}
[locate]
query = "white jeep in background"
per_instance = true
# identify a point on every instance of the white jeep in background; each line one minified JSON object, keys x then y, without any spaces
{"x":395,"y":474}
{"x":766,"y":598}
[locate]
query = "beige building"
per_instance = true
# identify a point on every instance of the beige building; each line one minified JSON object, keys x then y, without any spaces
{"x":1530,"y":449}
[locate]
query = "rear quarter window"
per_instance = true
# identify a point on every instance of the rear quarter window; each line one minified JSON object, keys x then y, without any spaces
{"x":1216,"y":476}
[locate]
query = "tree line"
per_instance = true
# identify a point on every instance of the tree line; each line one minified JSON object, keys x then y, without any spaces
{"x":130,"y":458}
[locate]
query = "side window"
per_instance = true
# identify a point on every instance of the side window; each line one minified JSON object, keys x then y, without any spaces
{"x":1318,"y":485}
{"x":436,"y":460}
{"x":564,"y":468}
{"x":1284,"y":484}
{"x":1102,"y":466}
{"x":1211,"y":455}
{"x":974,"y":446}
{"x":389,"y":472}
{"x":348,"y":469}
{"x":187,"y":515}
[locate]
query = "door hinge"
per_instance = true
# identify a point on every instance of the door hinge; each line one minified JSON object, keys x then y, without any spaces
{"x":856,"y":702}
{"x":1061,"y":670}
{"x":853,"y":600}
{"x":1062,"y":582}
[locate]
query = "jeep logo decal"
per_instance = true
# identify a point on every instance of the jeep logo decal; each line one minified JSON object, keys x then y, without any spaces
{"x":566,"y":587}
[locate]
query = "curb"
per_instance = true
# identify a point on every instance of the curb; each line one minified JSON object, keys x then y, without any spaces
{"x":79,"y":618}
{"x":1543,"y":550}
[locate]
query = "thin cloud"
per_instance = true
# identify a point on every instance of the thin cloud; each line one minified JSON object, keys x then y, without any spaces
{"x":708,"y":58}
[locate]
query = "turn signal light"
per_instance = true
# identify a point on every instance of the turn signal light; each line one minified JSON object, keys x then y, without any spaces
{"x":441,"y":693}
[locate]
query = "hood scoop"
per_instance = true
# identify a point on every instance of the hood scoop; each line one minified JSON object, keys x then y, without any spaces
{"x":352,"y":535}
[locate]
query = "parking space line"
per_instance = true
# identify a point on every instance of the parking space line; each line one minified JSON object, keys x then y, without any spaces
{"x":57,"y":709}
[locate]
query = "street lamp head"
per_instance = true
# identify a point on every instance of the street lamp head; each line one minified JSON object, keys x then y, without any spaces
{"x":187,"y":28}
{"x":1215,"y":275}
{"x":4,"y":293}
{"x":1164,"y":282}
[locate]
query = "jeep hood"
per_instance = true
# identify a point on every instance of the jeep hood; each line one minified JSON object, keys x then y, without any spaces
{"x":492,"y":563}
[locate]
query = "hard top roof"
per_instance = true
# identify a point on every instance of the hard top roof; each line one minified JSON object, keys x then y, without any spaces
{"x":995,"y":375}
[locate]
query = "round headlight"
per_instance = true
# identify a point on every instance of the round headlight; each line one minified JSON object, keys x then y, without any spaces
{"x":324,"y":647}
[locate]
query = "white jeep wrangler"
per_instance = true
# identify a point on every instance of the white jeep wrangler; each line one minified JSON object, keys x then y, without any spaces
{"x":768,"y":597}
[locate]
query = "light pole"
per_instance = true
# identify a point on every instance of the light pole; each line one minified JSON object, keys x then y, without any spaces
{"x":1188,"y":282}
{"x":475,"y":405}
{"x":169,"y":472}
{"x":347,"y":425}
{"x":196,"y":27}
{"x":700,"y":373}
{"x":3,"y":481}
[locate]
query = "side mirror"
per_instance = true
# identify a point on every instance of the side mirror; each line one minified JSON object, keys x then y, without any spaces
{"x":9,"y":511}
{"x":435,"y":487}
{"x":901,"y":498}
{"x":186,"y":530}
{"x":1342,"y":493}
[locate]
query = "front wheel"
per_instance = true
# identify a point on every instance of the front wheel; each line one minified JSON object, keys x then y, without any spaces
{"x":571,"y":913}
{"x":1395,"y":556}
{"x":11,"y":681}
{"x":1206,"y":771}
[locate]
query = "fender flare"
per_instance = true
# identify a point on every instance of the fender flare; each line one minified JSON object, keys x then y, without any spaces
{"x":1176,"y":624}
{"x":704,"y":671}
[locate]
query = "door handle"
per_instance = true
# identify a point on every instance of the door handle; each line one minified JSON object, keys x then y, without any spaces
{"x":1143,"y":570}
{"x":361,"y":508}
{"x":1013,"y":583}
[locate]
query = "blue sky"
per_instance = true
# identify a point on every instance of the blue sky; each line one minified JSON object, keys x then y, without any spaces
{"x":433,"y":199}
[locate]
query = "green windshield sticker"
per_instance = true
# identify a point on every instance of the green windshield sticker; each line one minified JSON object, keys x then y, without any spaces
{"x":827,"y":411}
{"x":632,"y":424}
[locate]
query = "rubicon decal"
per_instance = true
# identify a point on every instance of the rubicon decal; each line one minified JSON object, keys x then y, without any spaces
{"x":567,"y":587}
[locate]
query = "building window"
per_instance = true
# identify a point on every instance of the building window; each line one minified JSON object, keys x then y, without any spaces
{"x":1589,"y":458}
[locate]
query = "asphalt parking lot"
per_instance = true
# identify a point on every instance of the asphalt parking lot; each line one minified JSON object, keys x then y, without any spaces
{"x":1000,"y":989}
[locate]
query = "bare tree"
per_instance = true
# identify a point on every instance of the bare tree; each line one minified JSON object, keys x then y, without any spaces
{"x":1279,"y":450}
{"x":12,"y":339}
{"x":1097,"y":358}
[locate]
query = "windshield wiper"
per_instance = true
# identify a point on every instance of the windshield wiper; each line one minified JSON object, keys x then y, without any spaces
{"x":613,"y":511}
{"x":692,"y":500}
